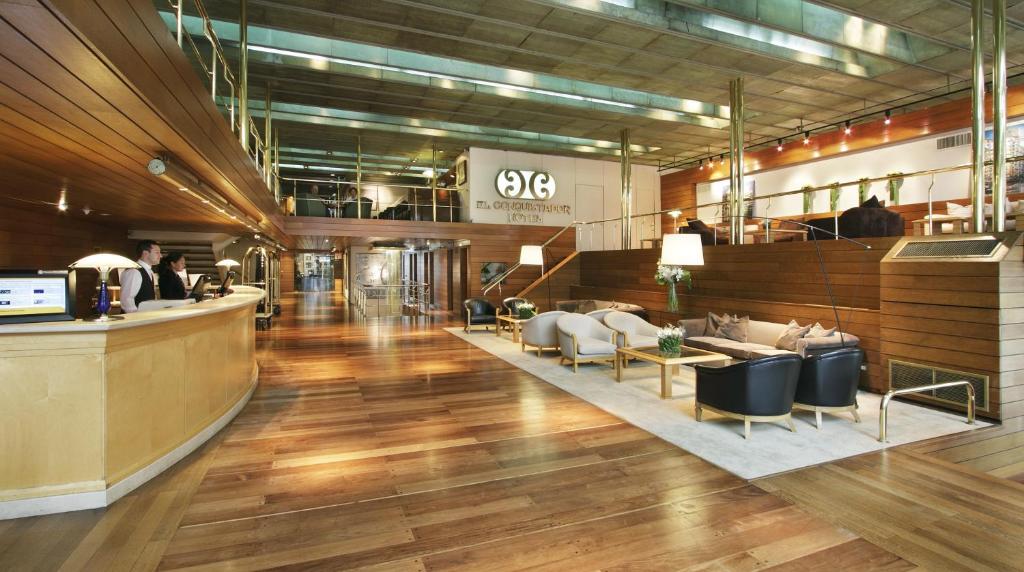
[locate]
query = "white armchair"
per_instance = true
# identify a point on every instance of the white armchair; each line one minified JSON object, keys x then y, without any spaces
{"x":541,"y":331}
{"x":600,"y":314}
{"x":584,"y":339}
{"x":633,"y":331}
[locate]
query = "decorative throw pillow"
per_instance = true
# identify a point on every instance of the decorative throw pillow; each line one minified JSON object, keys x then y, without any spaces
{"x":818,"y":331}
{"x":959,"y":210}
{"x":792,"y":333}
{"x":734,"y":328}
{"x":713,"y":322}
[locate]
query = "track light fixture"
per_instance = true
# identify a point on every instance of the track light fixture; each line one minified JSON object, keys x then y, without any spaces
{"x":847,"y":129}
{"x":721,"y":159}
{"x":888,"y":116}
{"x":807,"y":137}
{"x":779,"y":146}
{"x":62,"y":202}
{"x":700,"y":164}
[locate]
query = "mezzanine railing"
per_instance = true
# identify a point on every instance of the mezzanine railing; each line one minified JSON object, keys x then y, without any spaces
{"x":383,"y":300}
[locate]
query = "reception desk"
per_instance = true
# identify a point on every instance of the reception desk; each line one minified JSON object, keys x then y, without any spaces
{"x":89,"y":411}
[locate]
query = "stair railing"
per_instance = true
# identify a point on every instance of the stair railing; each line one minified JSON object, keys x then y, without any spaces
{"x":497,"y":280}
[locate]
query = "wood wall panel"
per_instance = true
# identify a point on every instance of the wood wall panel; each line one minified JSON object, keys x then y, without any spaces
{"x":288,"y":272}
{"x":957,"y":316}
{"x":43,"y":238}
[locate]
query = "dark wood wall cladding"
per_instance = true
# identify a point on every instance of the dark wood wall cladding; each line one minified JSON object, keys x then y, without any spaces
{"x":487,"y":243}
{"x":679,"y":189}
{"x":90,"y":92}
{"x":288,"y":272}
{"x":961,"y":316}
{"x":44,"y":239}
{"x":771,"y":282}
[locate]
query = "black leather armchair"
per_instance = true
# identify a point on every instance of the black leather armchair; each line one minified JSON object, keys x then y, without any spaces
{"x":828,"y":383}
{"x":755,"y":390}
{"x":509,"y":304}
{"x":479,"y":312}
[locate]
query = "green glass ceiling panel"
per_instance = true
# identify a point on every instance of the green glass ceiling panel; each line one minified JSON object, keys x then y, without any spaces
{"x":307,"y":51}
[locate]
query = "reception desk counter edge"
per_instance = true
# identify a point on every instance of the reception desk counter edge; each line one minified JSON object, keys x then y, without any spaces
{"x":89,"y":411}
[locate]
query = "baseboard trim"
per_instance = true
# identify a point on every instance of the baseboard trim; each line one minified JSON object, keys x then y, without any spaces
{"x":53,"y":504}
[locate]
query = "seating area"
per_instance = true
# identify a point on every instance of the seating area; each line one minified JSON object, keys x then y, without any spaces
{"x":753,"y":371}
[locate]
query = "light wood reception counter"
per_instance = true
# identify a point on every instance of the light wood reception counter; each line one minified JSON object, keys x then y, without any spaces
{"x":89,"y":411}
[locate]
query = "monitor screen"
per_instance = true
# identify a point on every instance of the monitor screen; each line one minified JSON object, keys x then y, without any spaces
{"x":35,"y":296}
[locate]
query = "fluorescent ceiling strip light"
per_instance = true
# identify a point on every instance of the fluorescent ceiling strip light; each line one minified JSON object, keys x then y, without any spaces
{"x":434,"y":75}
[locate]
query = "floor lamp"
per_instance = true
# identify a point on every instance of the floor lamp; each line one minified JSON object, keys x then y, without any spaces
{"x":533,"y":255}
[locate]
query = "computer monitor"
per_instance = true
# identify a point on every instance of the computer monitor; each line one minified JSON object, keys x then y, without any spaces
{"x":36,"y":296}
{"x":226,"y":285}
{"x":199,"y":290}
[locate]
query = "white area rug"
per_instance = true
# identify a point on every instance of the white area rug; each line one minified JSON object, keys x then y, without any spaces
{"x":772,"y":448}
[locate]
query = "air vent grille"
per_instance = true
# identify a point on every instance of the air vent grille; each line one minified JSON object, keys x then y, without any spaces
{"x":905,"y":374}
{"x":949,"y":248}
{"x":951,"y":141}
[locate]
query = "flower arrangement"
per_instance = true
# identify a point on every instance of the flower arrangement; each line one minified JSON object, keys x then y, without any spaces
{"x":670,"y":276}
{"x":526,"y":310}
{"x":670,"y":340}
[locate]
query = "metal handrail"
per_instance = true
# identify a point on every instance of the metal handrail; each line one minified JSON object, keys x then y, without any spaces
{"x":498,"y":279}
{"x":413,"y":294}
{"x":884,"y":406}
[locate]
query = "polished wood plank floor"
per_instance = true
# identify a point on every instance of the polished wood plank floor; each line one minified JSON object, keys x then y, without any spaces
{"x":392,"y":445}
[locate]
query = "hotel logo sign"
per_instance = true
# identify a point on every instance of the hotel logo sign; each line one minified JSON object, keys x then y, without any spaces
{"x":525,"y":185}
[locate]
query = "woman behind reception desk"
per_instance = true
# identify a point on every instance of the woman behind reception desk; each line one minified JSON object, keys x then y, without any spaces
{"x":171,"y":285}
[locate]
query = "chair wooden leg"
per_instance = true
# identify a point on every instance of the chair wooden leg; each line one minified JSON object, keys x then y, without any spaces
{"x":789,"y":421}
{"x":746,"y":428}
{"x":698,"y":413}
{"x":856,"y":416}
{"x":522,"y":347}
{"x":575,"y":366}
{"x":538,"y":351}
{"x":817,"y":419}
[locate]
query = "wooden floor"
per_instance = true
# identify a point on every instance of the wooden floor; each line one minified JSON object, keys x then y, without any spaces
{"x":391,"y":445}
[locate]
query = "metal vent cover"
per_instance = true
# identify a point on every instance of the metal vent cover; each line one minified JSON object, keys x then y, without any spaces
{"x":951,"y":141}
{"x":904,"y":374}
{"x":967,"y":248}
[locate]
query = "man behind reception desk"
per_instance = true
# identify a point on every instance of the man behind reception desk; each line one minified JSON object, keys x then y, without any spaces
{"x":137,"y":284}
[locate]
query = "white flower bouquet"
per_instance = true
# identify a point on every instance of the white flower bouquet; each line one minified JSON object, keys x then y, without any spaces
{"x":670,"y":339}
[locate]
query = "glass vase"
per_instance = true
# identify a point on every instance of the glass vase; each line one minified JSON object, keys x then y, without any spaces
{"x":673,"y":298}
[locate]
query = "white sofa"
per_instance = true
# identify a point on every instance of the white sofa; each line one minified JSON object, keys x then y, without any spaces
{"x":584,"y":339}
{"x":633,"y":332}
{"x":540,"y":331}
{"x":761,"y":339}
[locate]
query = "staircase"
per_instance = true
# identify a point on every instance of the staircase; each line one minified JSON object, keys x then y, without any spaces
{"x":547,"y":275}
{"x":199,"y":256}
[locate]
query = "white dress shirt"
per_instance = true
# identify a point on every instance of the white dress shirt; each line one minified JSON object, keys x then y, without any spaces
{"x":131,"y":281}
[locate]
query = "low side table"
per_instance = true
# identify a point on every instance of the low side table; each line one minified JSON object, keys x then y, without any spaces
{"x":513,"y":325}
{"x":669,"y":364}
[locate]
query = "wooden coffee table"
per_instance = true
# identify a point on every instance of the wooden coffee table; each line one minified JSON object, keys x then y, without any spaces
{"x":669,"y":364}
{"x":513,"y":325}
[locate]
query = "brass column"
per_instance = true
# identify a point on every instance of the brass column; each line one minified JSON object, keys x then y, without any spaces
{"x":627,"y":191}
{"x":977,"y":117}
{"x":266,"y":135}
{"x":243,"y":75}
{"x":359,"y":176}
{"x":433,"y":178}
{"x":277,"y":165}
{"x":999,"y":116}
{"x":736,"y":221}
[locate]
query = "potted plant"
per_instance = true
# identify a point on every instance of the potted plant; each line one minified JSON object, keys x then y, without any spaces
{"x":670,"y":276}
{"x":526,"y":310}
{"x":670,"y":340}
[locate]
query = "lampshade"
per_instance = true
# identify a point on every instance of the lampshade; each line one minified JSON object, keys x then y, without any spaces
{"x":682,"y":250}
{"x":104,"y":261}
{"x":530,"y":255}
{"x":228,"y":263}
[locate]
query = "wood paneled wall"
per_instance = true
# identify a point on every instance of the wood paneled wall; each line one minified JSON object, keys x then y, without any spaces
{"x":963,"y":316}
{"x":288,"y":272}
{"x":770,"y":282}
{"x":679,"y":189}
{"x":42,"y":238}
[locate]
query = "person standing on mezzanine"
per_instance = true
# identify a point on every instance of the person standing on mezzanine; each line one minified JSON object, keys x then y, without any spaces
{"x":137,"y":284}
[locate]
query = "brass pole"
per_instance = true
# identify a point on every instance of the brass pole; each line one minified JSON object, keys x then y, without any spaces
{"x":627,"y":190}
{"x":736,"y":221}
{"x":277,"y":165}
{"x":977,"y":117}
{"x":266,"y":135}
{"x":243,"y":75}
{"x":359,"y":176}
{"x":999,"y":116}
{"x":433,"y":178}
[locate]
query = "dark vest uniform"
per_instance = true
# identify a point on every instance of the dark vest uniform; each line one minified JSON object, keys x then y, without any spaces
{"x":146,"y":291}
